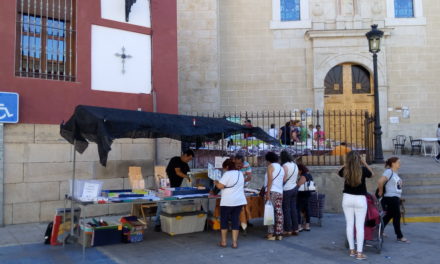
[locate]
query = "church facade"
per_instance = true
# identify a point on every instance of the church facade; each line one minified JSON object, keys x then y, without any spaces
{"x":297,"y":54}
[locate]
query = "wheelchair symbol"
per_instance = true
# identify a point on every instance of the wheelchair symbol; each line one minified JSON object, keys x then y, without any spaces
{"x":5,"y":111}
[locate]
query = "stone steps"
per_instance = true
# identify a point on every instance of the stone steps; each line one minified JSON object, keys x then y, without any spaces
{"x":422,"y":199}
{"x":421,"y":181}
{"x":433,"y":208}
{"x":421,"y":193}
{"x":413,"y":176}
{"x":422,"y":189}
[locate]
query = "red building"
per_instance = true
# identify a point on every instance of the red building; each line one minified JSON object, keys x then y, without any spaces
{"x":49,"y":52}
{"x":57,"y":54}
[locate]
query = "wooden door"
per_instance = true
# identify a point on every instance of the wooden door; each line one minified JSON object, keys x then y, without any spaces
{"x":349,"y":94}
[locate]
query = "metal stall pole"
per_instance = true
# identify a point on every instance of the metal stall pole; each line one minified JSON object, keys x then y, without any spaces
{"x":72,"y":194}
{"x":70,"y":239}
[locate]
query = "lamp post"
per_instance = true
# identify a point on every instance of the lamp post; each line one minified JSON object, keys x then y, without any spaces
{"x":374,"y":36}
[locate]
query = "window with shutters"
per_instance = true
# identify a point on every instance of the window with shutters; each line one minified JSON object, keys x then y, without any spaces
{"x":45,"y":41}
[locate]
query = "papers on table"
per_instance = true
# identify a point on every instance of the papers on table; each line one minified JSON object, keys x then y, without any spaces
{"x":191,"y":195}
{"x":213,"y":173}
{"x":90,"y":191}
{"x":145,"y":197}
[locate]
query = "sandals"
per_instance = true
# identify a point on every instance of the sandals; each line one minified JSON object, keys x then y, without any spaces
{"x":360,"y":256}
{"x":271,"y":237}
{"x":221,"y":245}
{"x":234,"y":246}
{"x":403,"y":240}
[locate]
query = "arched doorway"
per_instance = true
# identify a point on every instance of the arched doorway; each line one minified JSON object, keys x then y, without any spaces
{"x":348,"y":92}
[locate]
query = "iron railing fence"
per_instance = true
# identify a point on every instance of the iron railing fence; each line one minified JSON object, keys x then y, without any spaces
{"x":315,"y":137}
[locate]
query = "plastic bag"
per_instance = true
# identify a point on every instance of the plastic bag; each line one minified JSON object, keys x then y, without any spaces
{"x":269,"y":214}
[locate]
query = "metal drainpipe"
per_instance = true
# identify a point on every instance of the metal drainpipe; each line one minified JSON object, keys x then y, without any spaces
{"x":156,"y":158}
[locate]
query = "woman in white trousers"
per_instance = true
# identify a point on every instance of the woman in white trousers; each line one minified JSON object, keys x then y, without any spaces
{"x":354,"y":202}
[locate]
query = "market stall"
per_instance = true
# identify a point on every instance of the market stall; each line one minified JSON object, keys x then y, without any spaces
{"x":103,"y":125}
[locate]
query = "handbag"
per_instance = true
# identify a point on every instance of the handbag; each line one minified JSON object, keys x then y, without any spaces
{"x":263,"y":188}
{"x":376,"y":193}
{"x":308,"y":186}
{"x":269,"y":214}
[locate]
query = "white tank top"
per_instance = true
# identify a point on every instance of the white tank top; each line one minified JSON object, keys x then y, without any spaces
{"x":277,"y":181}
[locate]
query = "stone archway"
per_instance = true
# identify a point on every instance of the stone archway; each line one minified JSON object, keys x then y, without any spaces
{"x":325,"y":62}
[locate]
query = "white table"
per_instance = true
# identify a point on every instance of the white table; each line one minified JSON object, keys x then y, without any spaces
{"x":434,"y":146}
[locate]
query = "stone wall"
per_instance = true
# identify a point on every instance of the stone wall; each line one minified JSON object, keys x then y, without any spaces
{"x":261,"y":69}
{"x":38,"y":166}
{"x":198,"y":56}
{"x":413,"y":63}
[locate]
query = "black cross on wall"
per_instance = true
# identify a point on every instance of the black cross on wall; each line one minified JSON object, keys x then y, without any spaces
{"x":123,"y":56}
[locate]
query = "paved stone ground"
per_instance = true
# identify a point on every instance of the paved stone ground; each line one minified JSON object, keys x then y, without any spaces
{"x":324,"y":244}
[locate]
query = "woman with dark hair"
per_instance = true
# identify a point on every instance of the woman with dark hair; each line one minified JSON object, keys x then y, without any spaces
{"x":290,"y":191}
{"x":273,"y":181}
{"x":392,"y":183}
{"x":232,"y":200}
{"x":302,"y":203}
{"x":354,"y":202}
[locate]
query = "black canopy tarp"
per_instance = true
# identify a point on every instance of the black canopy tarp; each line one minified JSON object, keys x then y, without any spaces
{"x":103,"y":125}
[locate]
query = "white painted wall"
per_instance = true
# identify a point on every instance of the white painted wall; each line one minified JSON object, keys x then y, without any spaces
{"x":115,"y":10}
{"x":107,"y":67}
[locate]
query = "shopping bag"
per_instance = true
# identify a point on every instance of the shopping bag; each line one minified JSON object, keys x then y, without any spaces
{"x":269,"y":215}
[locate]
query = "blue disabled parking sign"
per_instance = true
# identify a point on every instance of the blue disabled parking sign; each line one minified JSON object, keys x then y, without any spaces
{"x":9,"y":107}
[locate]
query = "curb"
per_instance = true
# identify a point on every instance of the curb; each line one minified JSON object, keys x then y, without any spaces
{"x":422,"y":219}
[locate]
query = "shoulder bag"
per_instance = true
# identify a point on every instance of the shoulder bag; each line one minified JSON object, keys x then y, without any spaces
{"x":217,"y":190}
{"x":308,"y":186}
{"x":263,"y":189}
{"x":384,"y":187}
{"x":294,"y":169}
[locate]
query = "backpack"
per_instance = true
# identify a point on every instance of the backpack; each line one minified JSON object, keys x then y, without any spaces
{"x":48,"y":233}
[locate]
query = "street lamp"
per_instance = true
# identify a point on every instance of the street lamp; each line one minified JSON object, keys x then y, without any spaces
{"x":374,"y":37}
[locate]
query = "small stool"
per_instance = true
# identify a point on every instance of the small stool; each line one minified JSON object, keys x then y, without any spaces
{"x":144,"y":211}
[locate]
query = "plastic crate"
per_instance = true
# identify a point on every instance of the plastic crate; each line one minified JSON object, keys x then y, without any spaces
{"x":175,"y":224}
{"x":132,"y":236}
{"x":180,"y":207}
